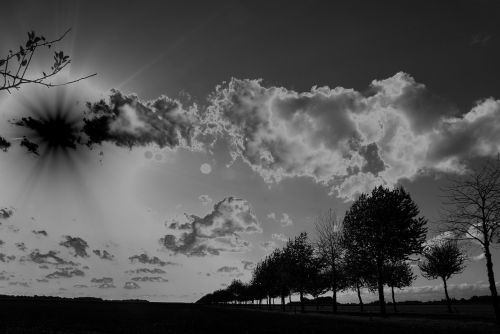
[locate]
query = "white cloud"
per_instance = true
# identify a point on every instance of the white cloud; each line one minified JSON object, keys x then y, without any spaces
{"x":279,"y":237}
{"x":205,"y":200}
{"x":285,"y":220}
{"x":268,"y":246}
{"x":218,"y":231}
{"x":347,"y":140}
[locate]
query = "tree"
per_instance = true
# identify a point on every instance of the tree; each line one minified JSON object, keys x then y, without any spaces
{"x":236,"y":290}
{"x":442,"y":260}
{"x":385,"y":228}
{"x":302,"y":264}
{"x":280,"y":264}
{"x":398,"y":275}
{"x":472,"y":212}
{"x":330,"y":249}
{"x":14,"y":66}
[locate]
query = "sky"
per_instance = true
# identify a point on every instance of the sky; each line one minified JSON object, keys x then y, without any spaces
{"x":235,"y":124}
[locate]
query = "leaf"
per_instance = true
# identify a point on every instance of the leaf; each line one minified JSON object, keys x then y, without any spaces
{"x":2,"y":62}
{"x":24,"y":62}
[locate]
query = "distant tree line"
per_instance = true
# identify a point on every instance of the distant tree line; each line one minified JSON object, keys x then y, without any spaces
{"x":373,"y":247}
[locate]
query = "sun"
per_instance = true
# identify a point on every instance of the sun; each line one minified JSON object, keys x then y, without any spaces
{"x":49,"y":127}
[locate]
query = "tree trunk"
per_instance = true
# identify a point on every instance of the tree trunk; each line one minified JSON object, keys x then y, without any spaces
{"x":448,"y":301}
{"x":283,"y":303}
{"x":393,"y":300}
{"x":359,"y":296}
{"x":301,"y":301}
{"x":334,"y":285}
{"x":491,"y":280}
{"x":380,"y":282}
{"x":334,"y":300}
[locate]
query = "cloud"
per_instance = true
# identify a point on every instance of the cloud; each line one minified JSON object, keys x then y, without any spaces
{"x":6,"y":213}
{"x":247,"y":265}
{"x":7,"y":258}
{"x":205,"y":200}
{"x":80,"y":286}
{"x":217,"y":231}
{"x":480,"y":39}
{"x":284,"y":221}
{"x":279,"y":237}
{"x":4,"y":144}
{"x":268,"y":246}
{"x":21,"y":246}
{"x":478,"y":257}
{"x":155,"y":279}
{"x":227,"y":269}
{"x":78,"y":245}
{"x":106,"y":286}
{"x":146,"y":271}
{"x":145,"y":259}
{"x":5,"y":276}
{"x":23,"y":284}
{"x":104,"y":255}
{"x":50,"y":257}
{"x":108,"y":280}
{"x":440,"y":238}
{"x":40,"y":233}
{"x":206,"y":168}
{"x":342,"y":138}
{"x":127,"y":121}
{"x":65,"y":273}
{"x":131,"y":285}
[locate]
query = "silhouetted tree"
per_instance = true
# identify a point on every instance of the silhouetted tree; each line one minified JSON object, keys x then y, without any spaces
{"x":398,"y":275}
{"x":279,"y":264}
{"x":442,"y":260}
{"x":330,"y":249}
{"x":319,"y":282}
{"x":384,"y":226}
{"x":302,"y":264}
{"x":472,"y":212}
{"x":14,"y":66}
{"x":236,"y":290}
{"x":358,"y":272}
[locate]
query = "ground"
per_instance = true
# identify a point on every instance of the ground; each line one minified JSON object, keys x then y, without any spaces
{"x":120,"y":317}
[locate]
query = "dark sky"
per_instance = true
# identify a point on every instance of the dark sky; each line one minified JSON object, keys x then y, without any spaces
{"x":451,"y":46}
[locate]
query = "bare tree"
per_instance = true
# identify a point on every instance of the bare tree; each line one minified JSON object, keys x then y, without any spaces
{"x":442,"y":260}
{"x":330,"y":248}
{"x":472,"y":212}
{"x":14,"y":66}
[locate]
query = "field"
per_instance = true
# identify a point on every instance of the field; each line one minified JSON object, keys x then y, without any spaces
{"x":123,"y":317}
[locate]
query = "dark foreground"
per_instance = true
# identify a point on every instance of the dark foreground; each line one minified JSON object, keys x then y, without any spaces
{"x":121,"y":317}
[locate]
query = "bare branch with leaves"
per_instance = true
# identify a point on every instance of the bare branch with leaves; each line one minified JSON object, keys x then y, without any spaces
{"x":14,"y":66}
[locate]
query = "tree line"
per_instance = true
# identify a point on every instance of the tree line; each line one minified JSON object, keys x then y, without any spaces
{"x":375,"y":244}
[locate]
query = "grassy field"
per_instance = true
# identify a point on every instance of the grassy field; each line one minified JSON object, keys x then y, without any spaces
{"x":481,"y":312}
{"x":111,"y":317}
